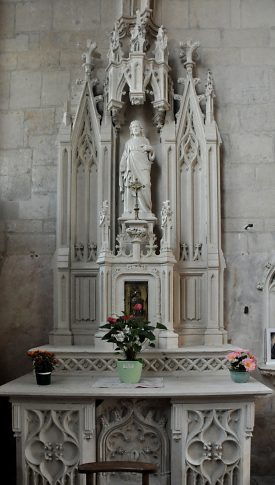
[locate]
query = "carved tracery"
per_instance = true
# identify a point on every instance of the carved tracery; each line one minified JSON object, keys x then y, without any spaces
{"x":52,"y":447}
{"x":86,"y":169}
{"x":213,"y":448}
{"x":191,"y":189}
{"x":136,"y":431}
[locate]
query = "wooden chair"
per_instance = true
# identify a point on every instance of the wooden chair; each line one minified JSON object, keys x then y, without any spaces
{"x":117,"y":466}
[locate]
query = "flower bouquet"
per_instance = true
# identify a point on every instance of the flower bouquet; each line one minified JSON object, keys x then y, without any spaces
{"x":241,"y":363}
{"x":130,"y":334}
{"x":43,"y":363}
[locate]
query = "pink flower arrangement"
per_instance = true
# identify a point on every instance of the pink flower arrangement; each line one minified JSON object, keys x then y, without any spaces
{"x":241,"y":361}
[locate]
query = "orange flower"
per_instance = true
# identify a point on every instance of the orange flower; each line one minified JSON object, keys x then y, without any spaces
{"x":43,"y":360}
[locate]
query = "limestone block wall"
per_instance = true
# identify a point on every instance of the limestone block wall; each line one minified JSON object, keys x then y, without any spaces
{"x":41,"y":42}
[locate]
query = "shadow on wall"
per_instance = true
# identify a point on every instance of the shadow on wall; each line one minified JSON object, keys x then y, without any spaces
{"x":8,"y":453}
{"x":263,"y":480}
{"x":262,"y":470}
{"x":12,"y":364}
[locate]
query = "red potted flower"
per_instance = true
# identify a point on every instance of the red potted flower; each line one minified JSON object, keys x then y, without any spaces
{"x":43,"y":363}
{"x":130,"y":334}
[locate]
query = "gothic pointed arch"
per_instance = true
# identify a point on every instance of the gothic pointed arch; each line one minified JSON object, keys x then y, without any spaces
{"x":85,"y":161}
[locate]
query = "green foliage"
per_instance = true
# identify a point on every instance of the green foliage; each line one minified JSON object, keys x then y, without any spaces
{"x":130,"y":333}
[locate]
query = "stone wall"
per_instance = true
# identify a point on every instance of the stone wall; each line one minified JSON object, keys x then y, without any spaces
{"x":41,"y":43}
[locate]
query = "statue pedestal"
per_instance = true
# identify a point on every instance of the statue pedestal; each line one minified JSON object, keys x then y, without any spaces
{"x":137,"y":230}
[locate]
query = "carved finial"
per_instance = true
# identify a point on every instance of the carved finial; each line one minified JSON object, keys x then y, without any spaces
{"x":209,"y":95}
{"x":209,"y":86}
{"x":87,"y":58}
{"x":187,"y":54}
{"x":115,"y":52}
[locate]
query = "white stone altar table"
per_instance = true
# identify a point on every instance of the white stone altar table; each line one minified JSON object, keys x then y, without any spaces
{"x":197,"y":428}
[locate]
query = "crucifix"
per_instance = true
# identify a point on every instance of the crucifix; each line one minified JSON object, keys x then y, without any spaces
{"x":136,"y":186}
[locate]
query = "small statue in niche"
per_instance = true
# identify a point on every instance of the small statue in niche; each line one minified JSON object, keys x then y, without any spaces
{"x":135,"y":165}
{"x":161,"y":52}
{"x":138,"y":33}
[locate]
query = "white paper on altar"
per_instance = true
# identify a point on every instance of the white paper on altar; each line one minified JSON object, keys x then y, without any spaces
{"x":114,"y":381}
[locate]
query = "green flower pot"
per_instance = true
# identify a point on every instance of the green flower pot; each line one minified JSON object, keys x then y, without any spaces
{"x":129,"y":371}
{"x":43,"y":378}
{"x":239,"y":376}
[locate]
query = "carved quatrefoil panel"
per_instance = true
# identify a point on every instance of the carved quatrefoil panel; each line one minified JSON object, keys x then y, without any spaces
{"x":52,"y":448}
{"x":213,"y":448}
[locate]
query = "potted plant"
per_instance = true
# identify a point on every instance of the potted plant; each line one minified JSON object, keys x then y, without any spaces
{"x":241,"y":363}
{"x":130,"y":334}
{"x":43,"y":363}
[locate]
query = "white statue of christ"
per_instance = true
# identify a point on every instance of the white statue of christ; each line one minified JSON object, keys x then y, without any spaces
{"x":135,"y":165}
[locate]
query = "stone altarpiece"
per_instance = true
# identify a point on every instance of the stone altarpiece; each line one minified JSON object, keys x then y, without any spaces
{"x":175,"y":244}
{"x":156,"y":227}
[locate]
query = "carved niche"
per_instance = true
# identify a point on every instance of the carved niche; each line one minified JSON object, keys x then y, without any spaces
{"x":135,"y":430}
